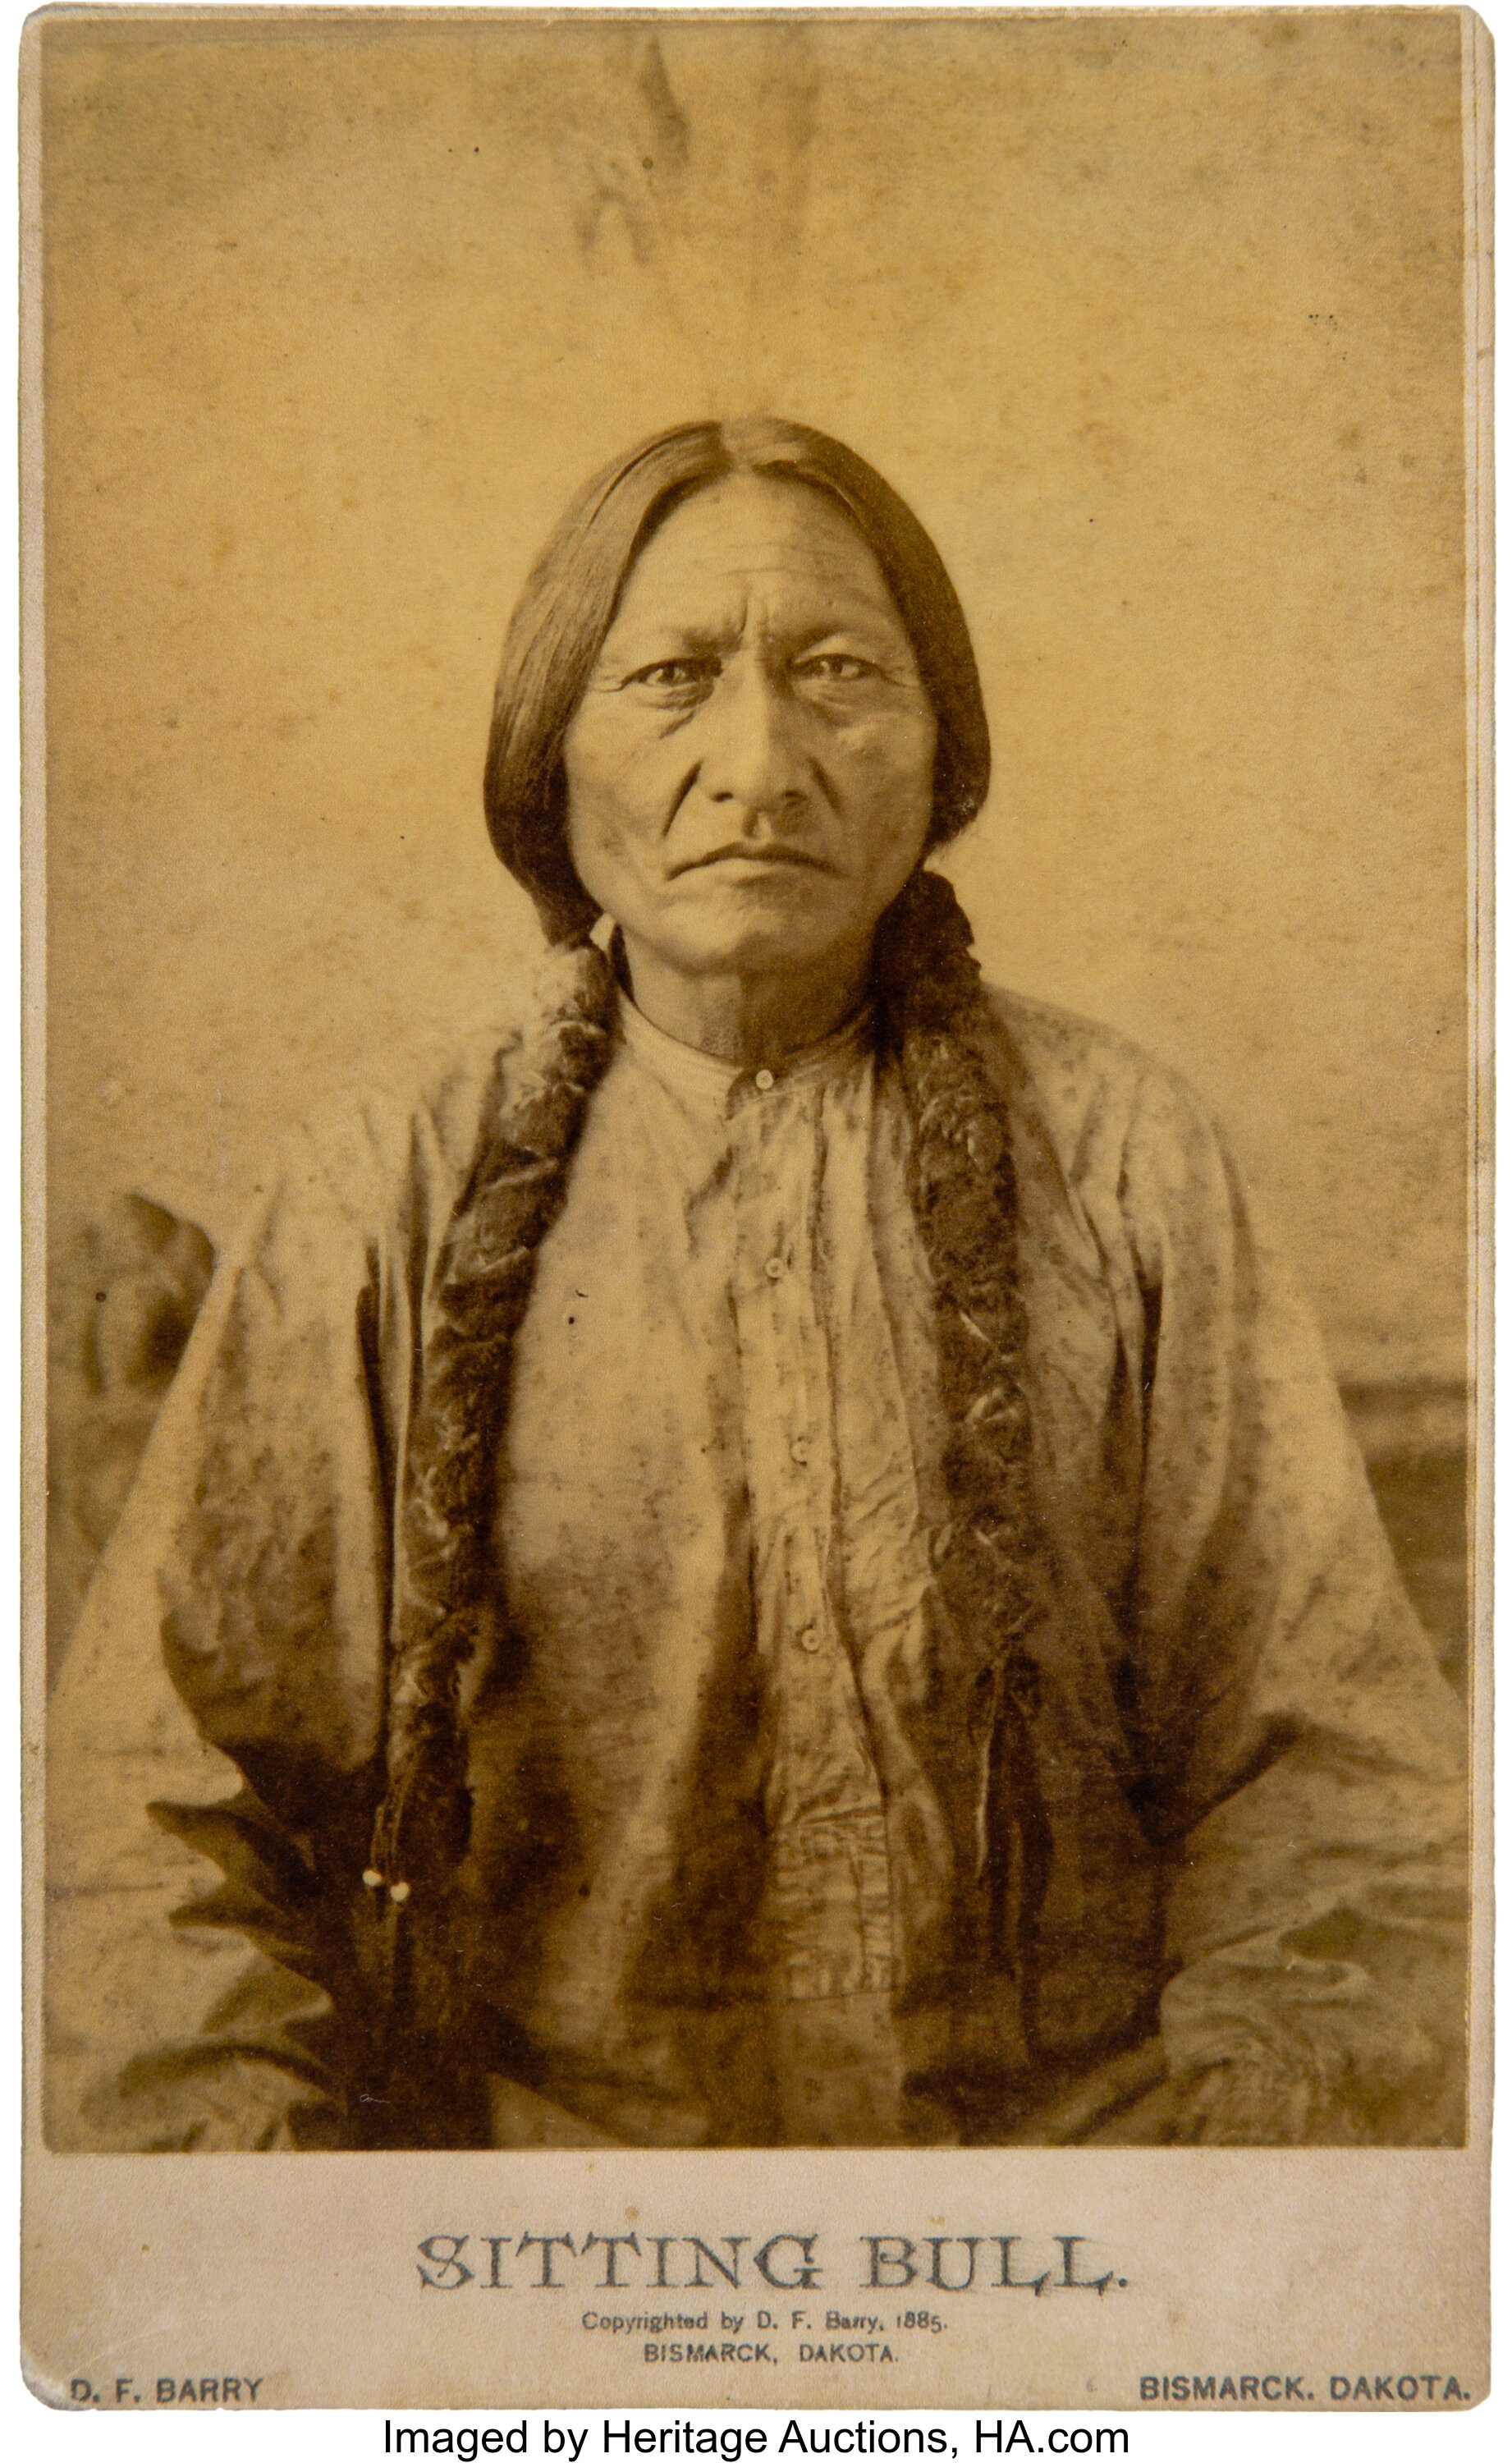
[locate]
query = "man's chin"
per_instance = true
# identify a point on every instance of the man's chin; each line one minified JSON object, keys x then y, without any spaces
{"x":774,"y":952}
{"x":789,"y":923}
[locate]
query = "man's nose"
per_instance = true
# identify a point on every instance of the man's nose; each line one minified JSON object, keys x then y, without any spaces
{"x":754,"y":758}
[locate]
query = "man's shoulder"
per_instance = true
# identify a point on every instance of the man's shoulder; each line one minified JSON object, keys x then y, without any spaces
{"x":1125,"y":1131}
{"x":418,"y":1115}
{"x":1072,"y":1069}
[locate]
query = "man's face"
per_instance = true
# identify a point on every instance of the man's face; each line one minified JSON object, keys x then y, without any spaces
{"x":751,"y":771}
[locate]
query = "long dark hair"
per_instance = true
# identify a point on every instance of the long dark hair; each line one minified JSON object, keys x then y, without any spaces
{"x":569,"y":603}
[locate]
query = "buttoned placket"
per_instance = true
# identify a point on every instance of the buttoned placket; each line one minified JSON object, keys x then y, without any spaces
{"x":829,"y":1897}
{"x":756,"y":1162}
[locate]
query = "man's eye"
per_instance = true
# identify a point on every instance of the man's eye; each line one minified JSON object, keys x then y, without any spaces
{"x":673,"y":675}
{"x":834,"y":667}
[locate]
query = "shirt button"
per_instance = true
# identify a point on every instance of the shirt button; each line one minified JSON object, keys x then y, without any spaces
{"x":809,"y":1639}
{"x":774,"y":1270}
{"x":766,"y":1081}
{"x":799,"y":1449}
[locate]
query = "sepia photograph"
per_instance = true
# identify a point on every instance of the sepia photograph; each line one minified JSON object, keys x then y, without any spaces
{"x":758,"y":1567}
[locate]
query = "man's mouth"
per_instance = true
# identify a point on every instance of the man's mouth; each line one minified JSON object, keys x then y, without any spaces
{"x":741,"y":852}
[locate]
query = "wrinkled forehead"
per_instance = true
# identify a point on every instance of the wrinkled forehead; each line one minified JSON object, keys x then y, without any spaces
{"x":779,"y":545}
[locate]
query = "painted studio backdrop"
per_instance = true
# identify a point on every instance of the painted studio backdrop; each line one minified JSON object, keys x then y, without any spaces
{"x":1155,"y":322}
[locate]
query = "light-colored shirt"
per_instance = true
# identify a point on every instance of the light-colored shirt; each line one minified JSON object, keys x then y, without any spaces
{"x":722,"y":1471}
{"x":1248,"y":1771}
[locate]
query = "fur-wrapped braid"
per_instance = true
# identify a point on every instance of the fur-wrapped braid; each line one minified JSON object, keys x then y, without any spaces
{"x":964,"y":1201}
{"x":990,"y":1559}
{"x":930,"y":1006}
{"x":512,"y":1196}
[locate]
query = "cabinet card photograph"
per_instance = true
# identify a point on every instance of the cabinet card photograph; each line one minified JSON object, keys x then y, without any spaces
{"x":753,"y":1578}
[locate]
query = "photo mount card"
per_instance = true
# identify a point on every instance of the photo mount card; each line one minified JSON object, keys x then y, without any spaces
{"x":757,"y":1622}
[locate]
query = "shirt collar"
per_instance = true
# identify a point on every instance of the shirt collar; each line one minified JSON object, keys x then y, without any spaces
{"x":702,"y":1078}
